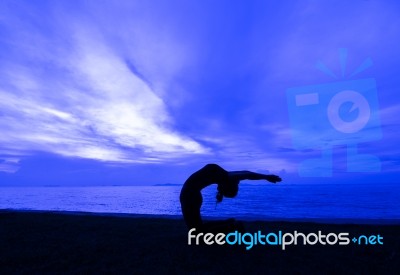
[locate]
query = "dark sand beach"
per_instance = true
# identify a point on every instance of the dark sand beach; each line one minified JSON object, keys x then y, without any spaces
{"x":51,"y":242}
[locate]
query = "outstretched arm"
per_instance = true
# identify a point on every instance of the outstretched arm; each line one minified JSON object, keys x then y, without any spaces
{"x":247,"y":175}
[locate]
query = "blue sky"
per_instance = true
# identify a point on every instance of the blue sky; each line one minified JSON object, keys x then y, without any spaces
{"x":146,"y":92}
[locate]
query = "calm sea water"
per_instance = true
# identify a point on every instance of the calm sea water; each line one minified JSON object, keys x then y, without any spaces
{"x":352,"y":201}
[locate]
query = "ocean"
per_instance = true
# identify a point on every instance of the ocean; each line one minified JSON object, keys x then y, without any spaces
{"x":254,"y":201}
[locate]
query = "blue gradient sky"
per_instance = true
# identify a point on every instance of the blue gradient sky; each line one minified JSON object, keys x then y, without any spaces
{"x":146,"y":92}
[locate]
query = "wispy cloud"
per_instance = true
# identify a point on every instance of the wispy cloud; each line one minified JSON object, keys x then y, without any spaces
{"x":82,"y":100}
{"x":153,"y":82}
{"x":9,"y":165}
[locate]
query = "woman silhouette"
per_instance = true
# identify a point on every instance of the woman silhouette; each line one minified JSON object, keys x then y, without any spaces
{"x":228,"y":186}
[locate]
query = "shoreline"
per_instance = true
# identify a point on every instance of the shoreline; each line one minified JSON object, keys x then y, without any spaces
{"x":339,"y":221}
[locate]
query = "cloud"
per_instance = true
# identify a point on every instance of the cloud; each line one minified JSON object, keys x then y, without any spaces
{"x":76,"y":96}
{"x":9,"y":165}
{"x":147,"y":82}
